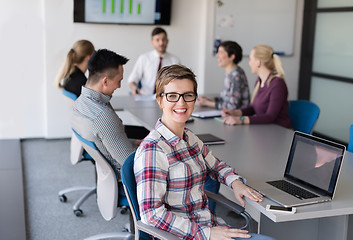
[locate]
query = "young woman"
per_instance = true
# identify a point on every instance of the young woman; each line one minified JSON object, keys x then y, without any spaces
{"x":171,"y":165}
{"x":235,"y":93}
{"x":269,"y":103}
{"x":72,"y":75}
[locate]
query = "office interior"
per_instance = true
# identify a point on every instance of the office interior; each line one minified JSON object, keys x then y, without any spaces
{"x":35,"y":36}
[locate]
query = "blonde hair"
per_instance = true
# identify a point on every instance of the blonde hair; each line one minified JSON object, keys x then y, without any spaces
{"x":271,"y":61}
{"x":80,"y":50}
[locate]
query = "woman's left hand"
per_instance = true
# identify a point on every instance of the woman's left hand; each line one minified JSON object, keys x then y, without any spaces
{"x":240,"y":190}
{"x":231,"y":120}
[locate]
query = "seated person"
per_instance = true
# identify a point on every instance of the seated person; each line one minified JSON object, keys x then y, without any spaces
{"x":172,"y":163}
{"x":269,"y":103}
{"x":235,"y":93}
{"x":143,"y":76}
{"x":71,"y":76}
{"x":92,"y":115}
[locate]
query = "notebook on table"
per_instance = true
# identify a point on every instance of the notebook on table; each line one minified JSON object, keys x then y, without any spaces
{"x":210,"y":139}
{"x":311,"y":174}
{"x":207,"y":114}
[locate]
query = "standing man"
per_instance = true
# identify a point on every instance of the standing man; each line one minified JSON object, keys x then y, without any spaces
{"x":143,"y":76}
{"x":93,"y":117}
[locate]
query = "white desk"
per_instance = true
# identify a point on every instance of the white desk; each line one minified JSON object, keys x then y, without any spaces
{"x":259,"y":152}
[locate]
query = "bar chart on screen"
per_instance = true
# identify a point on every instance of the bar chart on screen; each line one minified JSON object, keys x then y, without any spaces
{"x":121,"y":11}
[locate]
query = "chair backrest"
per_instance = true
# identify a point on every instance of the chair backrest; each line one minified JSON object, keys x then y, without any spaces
{"x":129,"y":181}
{"x":69,"y":94}
{"x":107,"y":183}
{"x":303,"y":115}
{"x":76,"y":150}
{"x":70,"y":98}
{"x":350,"y":143}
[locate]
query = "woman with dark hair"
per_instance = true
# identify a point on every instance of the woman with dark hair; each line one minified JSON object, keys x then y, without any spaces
{"x":235,"y":93}
{"x":71,"y":76}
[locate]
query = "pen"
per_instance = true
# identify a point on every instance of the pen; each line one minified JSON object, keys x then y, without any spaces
{"x":219,"y":119}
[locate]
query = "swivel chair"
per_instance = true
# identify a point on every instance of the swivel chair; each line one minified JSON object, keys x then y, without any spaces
{"x":109,"y":195}
{"x":144,"y":231}
{"x":303,"y":115}
{"x":350,"y":143}
{"x":77,"y":154}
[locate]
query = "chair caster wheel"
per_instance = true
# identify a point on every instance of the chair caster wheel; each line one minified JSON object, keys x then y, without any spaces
{"x":123,"y":210}
{"x":78,"y":212}
{"x":62,"y":198}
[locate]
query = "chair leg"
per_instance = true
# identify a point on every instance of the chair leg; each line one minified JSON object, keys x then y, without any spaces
{"x":119,"y":235}
{"x":73,"y":189}
{"x":76,"y":208}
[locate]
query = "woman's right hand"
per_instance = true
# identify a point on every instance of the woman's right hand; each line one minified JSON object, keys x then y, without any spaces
{"x":227,"y":112}
{"x":225,"y":233}
{"x":203,"y":101}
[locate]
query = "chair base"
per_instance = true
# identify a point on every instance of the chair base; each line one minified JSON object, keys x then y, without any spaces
{"x":117,"y":235}
{"x":76,"y":207}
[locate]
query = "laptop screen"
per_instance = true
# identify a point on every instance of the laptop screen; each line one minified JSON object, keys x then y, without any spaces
{"x":315,"y":162}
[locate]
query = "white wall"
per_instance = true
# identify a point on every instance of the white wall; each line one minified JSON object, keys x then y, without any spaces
{"x":22,"y":71}
{"x":35,"y":36}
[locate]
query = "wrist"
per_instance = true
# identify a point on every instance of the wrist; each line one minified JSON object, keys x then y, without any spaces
{"x":242,"y":119}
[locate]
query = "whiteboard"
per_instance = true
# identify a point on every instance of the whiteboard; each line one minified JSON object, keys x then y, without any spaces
{"x":252,"y":22}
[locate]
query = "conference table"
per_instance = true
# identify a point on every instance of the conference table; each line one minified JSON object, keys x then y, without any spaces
{"x":259,"y":153}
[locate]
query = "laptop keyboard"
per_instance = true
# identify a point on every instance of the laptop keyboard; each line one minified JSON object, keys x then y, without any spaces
{"x":292,"y":189}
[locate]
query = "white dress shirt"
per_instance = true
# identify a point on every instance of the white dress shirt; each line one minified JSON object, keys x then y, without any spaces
{"x":146,"y":68}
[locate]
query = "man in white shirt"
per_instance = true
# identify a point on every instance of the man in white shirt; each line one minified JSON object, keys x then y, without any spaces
{"x":148,"y":64}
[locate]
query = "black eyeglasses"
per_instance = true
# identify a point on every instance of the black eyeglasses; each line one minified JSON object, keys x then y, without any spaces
{"x":174,"y":97}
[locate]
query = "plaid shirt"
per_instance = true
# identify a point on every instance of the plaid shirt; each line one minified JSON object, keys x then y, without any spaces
{"x":170,"y":174}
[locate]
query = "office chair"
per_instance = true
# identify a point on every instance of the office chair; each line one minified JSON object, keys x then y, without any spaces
{"x":77,"y":154}
{"x":144,"y":231}
{"x":109,"y":195}
{"x":350,"y":143}
{"x":69,"y":94}
{"x":303,"y":115}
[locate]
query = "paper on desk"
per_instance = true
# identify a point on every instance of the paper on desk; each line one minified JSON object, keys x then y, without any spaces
{"x":128,"y":118}
{"x":145,"y":97}
{"x":207,"y":114}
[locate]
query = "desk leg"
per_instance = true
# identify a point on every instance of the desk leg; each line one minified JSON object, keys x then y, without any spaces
{"x":330,"y":228}
{"x":350,"y":227}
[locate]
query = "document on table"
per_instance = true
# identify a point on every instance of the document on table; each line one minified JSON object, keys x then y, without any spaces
{"x":145,"y":97}
{"x":207,"y":114}
{"x":128,"y":118}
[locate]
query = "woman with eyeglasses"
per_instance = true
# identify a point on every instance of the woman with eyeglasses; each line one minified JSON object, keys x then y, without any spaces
{"x":171,"y":165}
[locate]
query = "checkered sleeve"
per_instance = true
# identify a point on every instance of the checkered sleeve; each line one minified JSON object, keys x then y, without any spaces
{"x":151,"y":171}
{"x":218,"y":170}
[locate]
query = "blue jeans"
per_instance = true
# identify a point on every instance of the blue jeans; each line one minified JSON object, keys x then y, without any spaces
{"x":257,"y":237}
{"x":212,"y":186}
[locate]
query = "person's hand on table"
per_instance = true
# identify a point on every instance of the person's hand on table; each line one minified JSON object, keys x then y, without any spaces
{"x":228,"y":112}
{"x":136,"y":92}
{"x":240,"y":190}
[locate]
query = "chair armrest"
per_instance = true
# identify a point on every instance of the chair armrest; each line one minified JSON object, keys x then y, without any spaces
{"x":225,"y":202}
{"x":232,"y":206}
{"x":156,"y":232}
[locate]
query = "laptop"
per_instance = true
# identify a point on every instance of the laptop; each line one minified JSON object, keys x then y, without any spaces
{"x":311,"y":174}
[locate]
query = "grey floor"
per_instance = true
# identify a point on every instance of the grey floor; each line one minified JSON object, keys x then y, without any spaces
{"x":47,"y":170}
